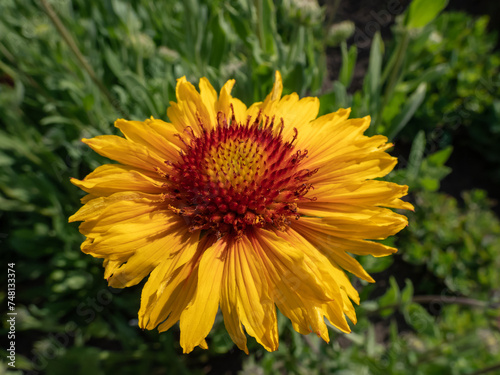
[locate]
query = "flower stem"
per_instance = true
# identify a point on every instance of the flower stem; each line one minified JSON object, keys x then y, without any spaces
{"x":487,"y":369}
{"x":442,"y":300}
{"x":457,"y":300}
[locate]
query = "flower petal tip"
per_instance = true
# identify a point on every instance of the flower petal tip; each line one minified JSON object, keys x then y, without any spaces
{"x":120,"y":121}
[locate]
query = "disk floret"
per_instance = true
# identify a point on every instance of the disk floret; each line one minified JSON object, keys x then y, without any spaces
{"x":237,"y":176}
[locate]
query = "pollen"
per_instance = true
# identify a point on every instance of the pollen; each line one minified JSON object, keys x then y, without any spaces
{"x":238,"y":176}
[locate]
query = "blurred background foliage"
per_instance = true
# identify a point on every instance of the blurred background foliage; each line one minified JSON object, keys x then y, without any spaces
{"x":429,"y":80}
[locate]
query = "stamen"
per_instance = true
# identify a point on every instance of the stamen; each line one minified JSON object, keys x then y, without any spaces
{"x":295,"y":134}
{"x":235,"y":176}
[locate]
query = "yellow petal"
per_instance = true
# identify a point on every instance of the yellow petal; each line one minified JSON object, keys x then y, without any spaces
{"x":374,"y":166}
{"x":342,"y":154}
{"x":315,"y":262}
{"x":184,"y":292}
{"x":356,"y":222}
{"x":240,"y":110}
{"x":170,"y":287}
{"x":142,"y":133}
{"x":333,"y":278}
{"x":289,"y":293}
{"x":110,"y":266}
{"x":125,"y":238}
{"x":225,"y":99}
{"x":366,"y":193}
{"x":175,"y":240}
{"x":209,"y":98}
{"x":290,"y":262}
{"x":336,"y":256}
{"x":321,"y":131}
{"x":112,"y":178}
{"x":267,"y":107}
{"x":316,"y":228}
{"x":275,"y":93}
{"x":189,"y":109}
{"x":166,"y":130}
{"x":229,"y":305}
{"x":296,"y":114}
{"x":203,"y":345}
{"x":95,"y":207}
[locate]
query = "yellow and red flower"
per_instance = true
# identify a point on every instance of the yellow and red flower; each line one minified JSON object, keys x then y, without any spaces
{"x":246,"y":209}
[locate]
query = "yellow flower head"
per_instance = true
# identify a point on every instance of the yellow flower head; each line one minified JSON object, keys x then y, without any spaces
{"x":242,"y":208}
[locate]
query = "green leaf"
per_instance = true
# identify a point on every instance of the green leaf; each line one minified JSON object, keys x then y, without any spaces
{"x":88,"y":102}
{"x":50,"y":120}
{"x":327,"y":103}
{"x":376,"y":264}
{"x":429,"y":184}
{"x":266,"y":25}
{"x":430,"y":75}
{"x":374,"y":72}
{"x":440,"y":157}
{"x":407,"y":292}
{"x":418,"y":317}
{"x":77,"y":361}
{"x":5,"y":160}
{"x":421,"y":12}
{"x":219,"y":41}
{"x":114,"y":62}
{"x":341,"y":99}
{"x":370,"y":342}
{"x":390,"y":299}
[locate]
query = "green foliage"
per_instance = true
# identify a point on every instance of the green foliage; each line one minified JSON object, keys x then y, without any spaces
{"x":387,"y":95}
{"x":70,"y":322}
{"x":467,"y":86}
{"x":436,"y":75}
{"x":459,"y":53}
{"x":422,"y":173}
{"x":461,"y":336}
{"x":421,"y":12}
{"x":461,"y":245}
